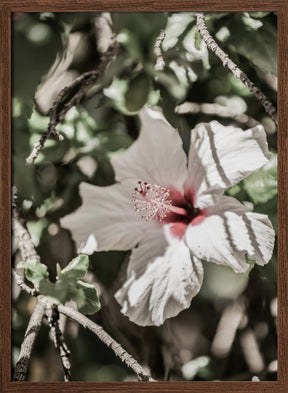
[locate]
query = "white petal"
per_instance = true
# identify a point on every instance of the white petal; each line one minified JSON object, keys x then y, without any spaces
{"x":157,"y":156}
{"x":221,"y":156}
{"x":90,"y":246}
{"x":106,"y":220}
{"x":228,"y":233}
{"x":162,"y":284}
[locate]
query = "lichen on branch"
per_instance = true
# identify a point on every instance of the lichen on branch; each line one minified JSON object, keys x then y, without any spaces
{"x":68,"y":97}
{"x":44,"y":305}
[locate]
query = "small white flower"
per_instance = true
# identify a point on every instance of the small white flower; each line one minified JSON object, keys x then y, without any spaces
{"x":173,"y":214}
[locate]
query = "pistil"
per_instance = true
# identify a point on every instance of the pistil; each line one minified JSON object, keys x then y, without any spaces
{"x":153,"y":202}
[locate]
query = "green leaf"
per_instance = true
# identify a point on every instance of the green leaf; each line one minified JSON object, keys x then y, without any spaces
{"x":269,"y":207}
{"x":198,"y":40}
{"x":193,"y":367}
{"x":129,"y":96}
{"x":261,"y":186}
{"x":254,"y":24}
{"x":67,"y":287}
{"x":168,"y":104}
{"x":234,"y":190}
{"x":137,"y":93}
{"x":91,"y":303}
{"x":36,"y":229}
{"x":54,"y":150}
{"x":171,"y":83}
{"x":176,"y":26}
{"x":137,"y":32}
{"x":24,"y":178}
{"x":76,"y":269}
{"x":61,"y":291}
{"x":82,"y":293}
{"x":221,"y":282}
{"x":34,"y":270}
{"x":196,"y":49}
{"x":120,"y":63}
{"x":154,"y":97}
{"x":34,"y":48}
{"x":54,"y":292}
{"x":111,"y":142}
{"x":258,"y":14}
{"x":258,"y":46}
{"x":184,"y":45}
{"x":131,"y":44}
{"x":116,"y":92}
{"x":144,"y":26}
{"x":74,"y":293}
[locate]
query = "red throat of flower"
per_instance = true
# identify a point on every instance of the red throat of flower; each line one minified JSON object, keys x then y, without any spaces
{"x":167,"y":206}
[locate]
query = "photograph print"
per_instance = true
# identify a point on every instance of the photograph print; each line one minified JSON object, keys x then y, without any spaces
{"x":144,"y":172}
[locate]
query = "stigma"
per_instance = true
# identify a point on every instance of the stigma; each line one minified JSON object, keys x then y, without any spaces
{"x":153,"y":201}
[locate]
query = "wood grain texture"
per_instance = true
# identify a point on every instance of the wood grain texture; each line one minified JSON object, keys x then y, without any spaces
{"x":5,"y":197}
{"x":8,"y":6}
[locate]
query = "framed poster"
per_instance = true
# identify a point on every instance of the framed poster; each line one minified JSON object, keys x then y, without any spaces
{"x":144,"y":152}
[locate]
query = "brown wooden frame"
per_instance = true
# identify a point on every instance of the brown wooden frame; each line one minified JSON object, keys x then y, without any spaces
{"x":9,"y":6}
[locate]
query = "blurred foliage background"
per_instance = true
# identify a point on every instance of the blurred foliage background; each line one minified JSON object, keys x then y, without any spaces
{"x":229,"y":332}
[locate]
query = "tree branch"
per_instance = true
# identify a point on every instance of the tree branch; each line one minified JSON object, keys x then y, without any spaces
{"x":69,"y":312}
{"x":68,"y":97}
{"x":236,"y":71}
{"x":107,"y":340}
{"x":98,"y":331}
{"x":23,"y":286}
{"x":160,"y":63}
{"x":25,"y":243}
{"x":28,"y":342}
{"x":27,"y":251}
{"x":59,"y":341}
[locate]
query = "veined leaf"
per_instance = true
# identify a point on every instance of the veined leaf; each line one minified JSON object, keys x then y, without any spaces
{"x":76,"y":269}
{"x":91,"y":303}
{"x":67,"y":287}
{"x":34,"y":270}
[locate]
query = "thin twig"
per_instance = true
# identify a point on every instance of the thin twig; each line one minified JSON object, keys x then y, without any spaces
{"x":236,"y":71}
{"x":80,"y":318}
{"x":73,"y":314}
{"x":107,"y":340}
{"x":59,"y":341}
{"x":28,"y":252}
{"x":23,"y":286}
{"x":99,"y":332}
{"x":160,"y":63}
{"x":28,"y":342}
{"x":68,"y":97}
{"x":25,"y":243}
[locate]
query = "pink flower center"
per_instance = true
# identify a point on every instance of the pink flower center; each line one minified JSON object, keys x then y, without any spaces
{"x":166,"y":205}
{"x":152,"y":202}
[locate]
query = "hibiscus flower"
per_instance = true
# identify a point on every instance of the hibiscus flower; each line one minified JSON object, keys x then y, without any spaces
{"x":171,"y":212}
